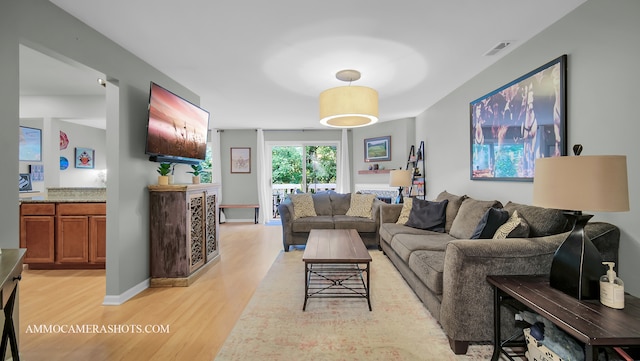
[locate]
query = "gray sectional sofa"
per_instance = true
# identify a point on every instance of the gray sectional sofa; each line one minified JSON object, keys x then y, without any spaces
{"x":447,"y":271}
{"x":330,"y":213}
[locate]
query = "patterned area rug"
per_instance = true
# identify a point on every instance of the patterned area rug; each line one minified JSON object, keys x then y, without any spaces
{"x":274,"y":327}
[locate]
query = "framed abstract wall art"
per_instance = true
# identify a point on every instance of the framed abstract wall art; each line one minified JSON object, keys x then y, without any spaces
{"x":519,"y":122}
{"x":30,"y":148}
{"x":240,"y":160}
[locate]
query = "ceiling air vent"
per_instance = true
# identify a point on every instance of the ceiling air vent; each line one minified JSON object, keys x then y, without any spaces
{"x":498,"y":47}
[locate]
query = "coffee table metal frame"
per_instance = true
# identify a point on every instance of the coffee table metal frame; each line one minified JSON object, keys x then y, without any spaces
{"x":341,"y":274}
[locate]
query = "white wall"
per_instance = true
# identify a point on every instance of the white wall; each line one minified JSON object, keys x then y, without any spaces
{"x":81,"y":136}
{"x":600,"y":38}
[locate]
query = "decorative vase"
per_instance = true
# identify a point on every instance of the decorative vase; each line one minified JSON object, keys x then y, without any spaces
{"x":163,"y":180}
{"x":195,"y":179}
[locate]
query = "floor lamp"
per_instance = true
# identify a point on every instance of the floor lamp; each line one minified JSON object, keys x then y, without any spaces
{"x":576,"y":184}
{"x":400,"y":178}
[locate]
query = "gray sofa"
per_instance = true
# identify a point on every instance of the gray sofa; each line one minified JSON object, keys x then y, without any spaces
{"x":331,"y":209}
{"x":448,"y":272}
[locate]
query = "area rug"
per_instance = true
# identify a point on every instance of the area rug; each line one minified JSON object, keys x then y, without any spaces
{"x":274,"y":327}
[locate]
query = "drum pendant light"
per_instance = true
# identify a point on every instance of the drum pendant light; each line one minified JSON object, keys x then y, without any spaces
{"x":348,"y":106}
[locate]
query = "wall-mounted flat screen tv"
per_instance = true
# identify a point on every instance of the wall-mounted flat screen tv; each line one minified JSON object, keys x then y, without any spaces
{"x":30,"y":149}
{"x":176,"y":128}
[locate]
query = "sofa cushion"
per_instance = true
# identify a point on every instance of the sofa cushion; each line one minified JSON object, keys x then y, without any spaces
{"x":469,"y":215}
{"x":340,"y":203}
{"x":490,"y":222}
{"x":542,"y":221}
{"x":406,"y":210}
{"x":428,"y":266}
{"x":360,"y":224}
{"x":303,"y":206}
{"x":322,"y":203}
{"x":308,"y":223}
{"x":405,"y":244}
{"x":515,"y":227}
{"x":455,"y":202}
{"x":361,"y":205}
{"x":428,"y":215}
{"x":389,"y":230}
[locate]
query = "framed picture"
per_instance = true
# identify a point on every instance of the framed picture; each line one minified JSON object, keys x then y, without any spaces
{"x":24,"y":182}
{"x":240,"y":160}
{"x":30,"y":149}
{"x":377,"y":149}
{"x":519,"y":122}
{"x":37,"y":172}
{"x":85,"y":158}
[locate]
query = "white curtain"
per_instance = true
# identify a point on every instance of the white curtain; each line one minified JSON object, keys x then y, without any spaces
{"x":216,"y":160}
{"x":344,"y":175}
{"x":264,"y":180}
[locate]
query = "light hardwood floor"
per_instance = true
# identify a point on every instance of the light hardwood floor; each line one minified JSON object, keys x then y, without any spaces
{"x":199,"y":317}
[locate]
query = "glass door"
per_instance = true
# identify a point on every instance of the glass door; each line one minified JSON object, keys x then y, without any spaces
{"x":302,"y":169}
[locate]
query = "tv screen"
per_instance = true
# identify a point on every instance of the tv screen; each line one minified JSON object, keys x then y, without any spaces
{"x":176,"y":129}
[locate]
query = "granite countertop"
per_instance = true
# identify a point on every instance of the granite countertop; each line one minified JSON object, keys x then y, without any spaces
{"x":43,"y":199}
{"x":69,"y":195}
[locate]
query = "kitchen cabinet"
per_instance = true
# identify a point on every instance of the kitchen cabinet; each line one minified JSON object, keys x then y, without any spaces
{"x":63,"y":235}
{"x":37,"y":232}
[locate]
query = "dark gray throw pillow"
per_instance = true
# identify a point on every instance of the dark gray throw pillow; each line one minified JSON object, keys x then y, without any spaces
{"x":492,"y":219}
{"x":428,"y":215}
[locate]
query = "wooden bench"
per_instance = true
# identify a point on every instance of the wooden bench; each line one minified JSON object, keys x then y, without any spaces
{"x":256,"y":207}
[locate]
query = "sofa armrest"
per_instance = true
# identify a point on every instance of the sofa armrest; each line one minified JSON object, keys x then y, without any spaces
{"x":389,"y":213}
{"x":285,"y":209}
{"x":466,"y":313}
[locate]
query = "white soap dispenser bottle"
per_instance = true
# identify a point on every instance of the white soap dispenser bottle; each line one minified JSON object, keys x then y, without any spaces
{"x":611,"y":288}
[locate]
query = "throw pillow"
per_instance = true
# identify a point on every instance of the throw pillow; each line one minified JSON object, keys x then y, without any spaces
{"x":361,"y":205}
{"x":406,"y":210}
{"x":488,"y":225}
{"x":302,"y":206}
{"x":428,"y":215}
{"x":516,"y":227}
{"x":455,"y":201}
{"x":469,"y":215}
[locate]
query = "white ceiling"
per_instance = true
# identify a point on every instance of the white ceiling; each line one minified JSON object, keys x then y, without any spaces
{"x":262,"y":64}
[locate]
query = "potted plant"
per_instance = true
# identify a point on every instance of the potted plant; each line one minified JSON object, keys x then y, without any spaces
{"x":196,"y":170}
{"x":164,"y":169}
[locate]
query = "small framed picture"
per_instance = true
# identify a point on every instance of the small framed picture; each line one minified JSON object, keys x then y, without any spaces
{"x":24,"y":182}
{"x":240,"y":160}
{"x":85,"y":158}
{"x":377,"y":149}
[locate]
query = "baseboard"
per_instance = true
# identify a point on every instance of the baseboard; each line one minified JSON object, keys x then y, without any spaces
{"x":126,"y":295}
{"x":238,"y":220}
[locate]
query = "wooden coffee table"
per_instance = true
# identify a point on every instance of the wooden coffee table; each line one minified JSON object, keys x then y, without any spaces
{"x":334,"y":262}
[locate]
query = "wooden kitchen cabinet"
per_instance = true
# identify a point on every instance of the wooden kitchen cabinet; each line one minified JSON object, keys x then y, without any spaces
{"x":37,"y":232}
{"x":63,"y":235}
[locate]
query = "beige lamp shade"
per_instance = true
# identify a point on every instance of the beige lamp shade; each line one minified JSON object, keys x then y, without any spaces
{"x":400,"y":178}
{"x":348,"y":107}
{"x":582,"y":183}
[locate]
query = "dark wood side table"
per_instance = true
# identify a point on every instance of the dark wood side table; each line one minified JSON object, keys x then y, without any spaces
{"x":590,"y":322}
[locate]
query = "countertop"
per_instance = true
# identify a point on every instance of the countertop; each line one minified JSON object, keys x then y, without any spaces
{"x":67,"y":195}
{"x":43,"y":199}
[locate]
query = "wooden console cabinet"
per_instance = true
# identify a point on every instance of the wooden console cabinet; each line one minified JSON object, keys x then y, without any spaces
{"x":63,"y":235}
{"x":183,"y":232}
